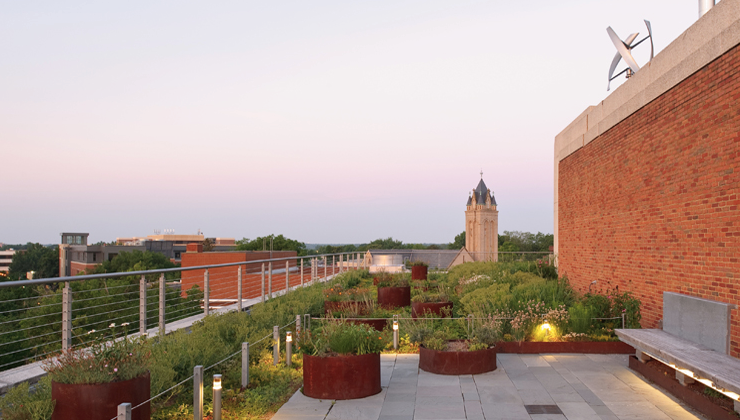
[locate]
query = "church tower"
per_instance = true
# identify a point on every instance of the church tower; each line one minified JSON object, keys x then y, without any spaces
{"x":481,"y":224}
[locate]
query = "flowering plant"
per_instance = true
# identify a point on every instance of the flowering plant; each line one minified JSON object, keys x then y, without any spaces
{"x":119,"y":359}
{"x":340,"y":337}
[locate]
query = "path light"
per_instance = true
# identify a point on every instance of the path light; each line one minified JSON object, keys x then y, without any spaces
{"x":546,"y":327}
{"x":216,"y":397}
{"x":288,"y":348}
{"x":395,"y":332}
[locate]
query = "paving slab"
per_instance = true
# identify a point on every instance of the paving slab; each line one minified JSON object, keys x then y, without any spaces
{"x":582,"y":387}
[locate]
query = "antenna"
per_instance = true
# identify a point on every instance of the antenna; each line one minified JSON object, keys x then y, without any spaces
{"x":624,"y":51}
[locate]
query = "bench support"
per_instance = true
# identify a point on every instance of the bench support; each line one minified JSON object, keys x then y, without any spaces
{"x":642,"y":357}
{"x":684,"y":379}
{"x":737,"y":406}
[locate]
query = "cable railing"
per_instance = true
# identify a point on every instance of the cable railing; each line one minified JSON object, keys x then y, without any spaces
{"x":149,"y":301}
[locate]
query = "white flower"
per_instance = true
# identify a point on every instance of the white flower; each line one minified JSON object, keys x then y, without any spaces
{"x":90,"y":332}
{"x":112,"y":325}
{"x":124,"y":324}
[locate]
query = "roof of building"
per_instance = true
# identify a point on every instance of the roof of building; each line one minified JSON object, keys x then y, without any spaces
{"x":435,"y":258}
{"x":481,"y":193}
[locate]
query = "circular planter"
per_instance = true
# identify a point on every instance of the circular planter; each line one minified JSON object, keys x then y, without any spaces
{"x":342,"y":377}
{"x":100,"y":401}
{"x":394,"y":297}
{"x":378,"y":324}
{"x":330,"y":307}
{"x":419,"y":272}
{"x":420,"y":308}
{"x":457,"y":362}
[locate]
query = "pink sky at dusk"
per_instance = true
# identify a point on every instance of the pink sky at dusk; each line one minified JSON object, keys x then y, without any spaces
{"x":328,"y":122}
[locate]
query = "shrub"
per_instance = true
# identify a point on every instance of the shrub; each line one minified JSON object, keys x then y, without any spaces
{"x":22,"y":404}
{"x":337,"y":336}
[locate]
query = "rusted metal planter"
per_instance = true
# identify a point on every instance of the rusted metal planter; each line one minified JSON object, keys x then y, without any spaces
{"x":588,"y":347}
{"x":419,"y":309}
{"x":342,"y":377}
{"x":100,"y":401}
{"x":457,"y":362}
{"x":394,"y":297}
{"x":330,"y":306}
{"x":419,"y":272}
{"x":378,"y":324}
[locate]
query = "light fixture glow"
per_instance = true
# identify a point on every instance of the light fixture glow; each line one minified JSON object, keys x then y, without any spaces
{"x":395,"y":325}
{"x":546,"y":326}
{"x":216,"y":382}
{"x":288,"y":337}
{"x":706,"y":382}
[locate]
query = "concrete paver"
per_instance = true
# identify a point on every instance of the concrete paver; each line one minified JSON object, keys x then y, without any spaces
{"x":583,"y":387}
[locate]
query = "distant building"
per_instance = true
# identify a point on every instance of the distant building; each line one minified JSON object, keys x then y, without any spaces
{"x":75,"y":255}
{"x":481,"y":224}
{"x":6,"y":258}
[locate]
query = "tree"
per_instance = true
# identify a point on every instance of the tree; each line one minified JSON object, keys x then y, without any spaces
{"x":39,"y":258}
{"x":207,"y":245}
{"x":279,"y":243}
{"x":459,"y":241}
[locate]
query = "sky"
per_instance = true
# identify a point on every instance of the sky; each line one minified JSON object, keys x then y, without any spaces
{"x":324,"y":121}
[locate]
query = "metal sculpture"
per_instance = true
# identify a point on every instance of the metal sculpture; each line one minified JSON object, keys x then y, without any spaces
{"x":624,"y":51}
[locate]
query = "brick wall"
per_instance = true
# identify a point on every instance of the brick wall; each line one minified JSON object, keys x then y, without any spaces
{"x":652,"y":204}
{"x":223,"y":280}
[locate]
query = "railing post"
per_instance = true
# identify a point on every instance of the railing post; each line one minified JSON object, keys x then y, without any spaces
{"x":161,"y":304}
{"x":313,"y":268}
{"x":275,"y":345}
{"x":239,"y":289}
{"x":142,"y":305}
{"x":124,"y":411}
{"x":623,"y":323}
{"x":66,"y":317}
{"x":287,"y":277}
{"x":206,"y":293}
{"x":301,"y":272}
{"x":269,"y":279}
{"x":324,"y":267}
{"x":297,"y":327}
{"x":263,"y":283}
{"x":333,"y":263}
{"x":198,"y":393}
{"x":245,"y":365}
{"x":307,"y":322}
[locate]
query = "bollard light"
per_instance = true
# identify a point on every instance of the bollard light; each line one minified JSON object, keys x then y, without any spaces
{"x":216,"y":397}
{"x":395,"y":325}
{"x":288,"y":348}
{"x":546,"y":326}
{"x":395,"y":334}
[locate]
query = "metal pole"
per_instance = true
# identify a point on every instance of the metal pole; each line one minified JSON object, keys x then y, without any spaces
{"x":297,"y":327}
{"x":324,"y":267}
{"x":216,"y":397}
{"x":142,"y":305}
{"x":301,"y":272}
{"x":269,"y":279}
{"x":395,"y":332}
{"x":124,"y":411}
{"x":207,"y":292}
{"x":275,"y":345}
{"x":66,"y":317}
{"x":288,"y":350}
{"x":239,"y":289}
{"x":333,"y":264}
{"x":245,"y":365}
{"x":263,"y":282}
{"x":307,"y":322}
{"x":198,"y":393}
{"x":287,"y":277}
{"x":623,"y":323}
{"x":162,"y":297}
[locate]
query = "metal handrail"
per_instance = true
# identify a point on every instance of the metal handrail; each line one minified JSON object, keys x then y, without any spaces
{"x":51,"y":280}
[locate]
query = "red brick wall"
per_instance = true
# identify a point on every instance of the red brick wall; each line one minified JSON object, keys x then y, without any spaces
{"x":223,"y":280}
{"x":652,"y":204}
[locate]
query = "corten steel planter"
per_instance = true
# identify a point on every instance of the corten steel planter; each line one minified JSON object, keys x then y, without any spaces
{"x":419,"y":309}
{"x":419,"y":272}
{"x":670,"y":383}
{"x":378,"y":324}
{"x":330,"y":306}
{"x":100,"y":401}
{"x":342,"y":377}
{"x":394,"y":297}
{"x":457,"y":362}
{"x":587,"y":347}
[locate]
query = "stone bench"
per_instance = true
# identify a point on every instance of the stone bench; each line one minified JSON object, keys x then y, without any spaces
{"x":695,"y":340}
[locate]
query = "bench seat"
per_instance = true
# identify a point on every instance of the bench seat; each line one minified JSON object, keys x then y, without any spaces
{"x":705,"y":363}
